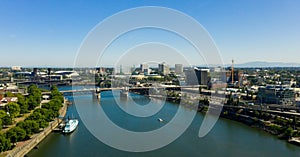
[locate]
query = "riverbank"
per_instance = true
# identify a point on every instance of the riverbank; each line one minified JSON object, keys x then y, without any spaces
{"x":24,"y":147}
{"x":261,"y":124}
{"x":279,"y":130}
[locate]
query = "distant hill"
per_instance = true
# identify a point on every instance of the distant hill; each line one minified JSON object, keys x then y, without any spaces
{"x":261,"y":64}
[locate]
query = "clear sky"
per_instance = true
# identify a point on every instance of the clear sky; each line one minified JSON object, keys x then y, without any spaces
{"x":49,"y":32}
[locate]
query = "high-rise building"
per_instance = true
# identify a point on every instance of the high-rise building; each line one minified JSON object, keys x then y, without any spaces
{"x":49,"y":71}
{"x":35,"y":72}
{"x":190,"y":77}
{"x":178,"y":69}
{"x":197,"y":76}
{"x":163,"y":69}
{"x":145,"y":69}
{"x":202,"y":76}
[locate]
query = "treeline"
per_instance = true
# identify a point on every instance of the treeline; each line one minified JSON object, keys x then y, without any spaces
{"x":34,"y":123}
{"x":24,"y":105}
{"x":283,"y":127}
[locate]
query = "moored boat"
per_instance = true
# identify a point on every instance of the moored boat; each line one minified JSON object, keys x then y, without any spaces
{"x":70,"y":126}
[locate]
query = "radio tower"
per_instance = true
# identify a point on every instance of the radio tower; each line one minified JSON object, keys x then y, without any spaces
{"x":232,"y":73}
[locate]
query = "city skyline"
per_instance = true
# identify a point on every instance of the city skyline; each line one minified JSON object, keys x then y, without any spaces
{"x":50,"y":33}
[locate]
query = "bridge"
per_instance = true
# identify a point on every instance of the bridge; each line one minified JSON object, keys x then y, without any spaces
{"x":96,"y":91}
{"x":99,"y":90}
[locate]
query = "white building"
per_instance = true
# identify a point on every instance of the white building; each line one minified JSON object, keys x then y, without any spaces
{"x":16,"y":68}
{"x":178,"y":69}
{"x":68,"y":74}
{"x":145,"y":69}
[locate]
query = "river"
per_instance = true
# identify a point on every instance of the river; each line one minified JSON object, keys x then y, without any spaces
{"x":227,"y":138}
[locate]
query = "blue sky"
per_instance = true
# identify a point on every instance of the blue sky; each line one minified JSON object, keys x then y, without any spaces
{"x":49,"y":33}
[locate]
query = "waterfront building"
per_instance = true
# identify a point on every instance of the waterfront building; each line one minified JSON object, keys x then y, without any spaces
{"x":276,"y":94}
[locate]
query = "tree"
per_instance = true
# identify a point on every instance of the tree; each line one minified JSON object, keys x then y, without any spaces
{"x":256,"y":114}
{"x":35,"y":96}
{"x":55,"y":94}
{"x":7,"y":120}
{"x":42,"y":123}
{"x":22,"y":103}
{"x":33,"y":90}
{"x":13,"y":109}
{"x":2,"y":114}
{"x":32,"y":103}
{"x":30,"y":126}
{"x":36,"y":115}
{"x":16,"y":134}
{"x":4,"y":143}
{"x":288,"y":132}
{"x":9,"y":94}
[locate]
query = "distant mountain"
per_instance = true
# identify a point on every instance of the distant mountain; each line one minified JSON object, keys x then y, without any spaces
{"x":261,"y":64}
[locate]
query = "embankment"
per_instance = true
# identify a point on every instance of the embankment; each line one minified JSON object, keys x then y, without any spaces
{"x":28,"y":145}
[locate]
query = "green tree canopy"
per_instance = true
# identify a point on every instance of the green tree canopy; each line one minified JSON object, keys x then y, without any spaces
{"x":9,"y":94}
{"x":22,"y":103}
{"x":16,"y":134}
{"x":30,"y":126}
{"x":35,"y":97}
{"x":4,"y":143}
{"x":7,"y":120}
{"x":13,"y":109}
{"x":55,"y":94}
{"x":2,"y":114}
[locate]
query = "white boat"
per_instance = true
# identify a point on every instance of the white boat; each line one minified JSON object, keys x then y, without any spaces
{"x":160,"y":120}
{"x":71,"y":125}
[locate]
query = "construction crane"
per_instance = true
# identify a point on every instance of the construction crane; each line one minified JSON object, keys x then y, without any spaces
{"x":232,"y":73}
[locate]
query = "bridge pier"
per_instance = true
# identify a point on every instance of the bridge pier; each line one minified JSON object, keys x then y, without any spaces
{"x":97,"y":95}
{"x":123,"y":93}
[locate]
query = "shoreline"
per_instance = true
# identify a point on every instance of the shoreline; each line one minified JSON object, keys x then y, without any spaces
{"x":244,"y":119}
{"x":26,"y":146}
